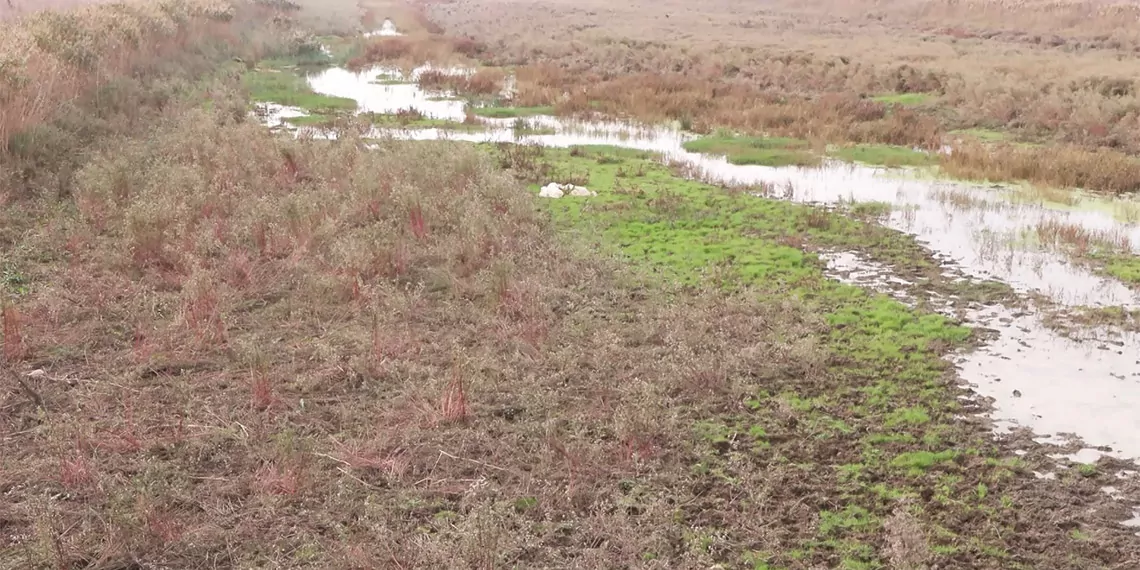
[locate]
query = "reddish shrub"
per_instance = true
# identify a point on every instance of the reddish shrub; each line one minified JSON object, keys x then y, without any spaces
{"x":13,"y":348}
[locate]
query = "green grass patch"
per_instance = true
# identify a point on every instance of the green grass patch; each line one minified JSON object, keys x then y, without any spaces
{"x":762,"y":151}
{"x":851,"y":519}
{"x":1124,"y":267}
{"x":288,"y":88}
{"x":511,"y":112}
{"x":870,"y":210}
{"x":903,"y":98}
{"x":417,"y":121}
{"x":915,"y":415}
{"x":884,"y":155}
{"x":312,"y":120}
{"x":307,"y":59}
{"x":919,"y":462}
{"x":885,"y":402}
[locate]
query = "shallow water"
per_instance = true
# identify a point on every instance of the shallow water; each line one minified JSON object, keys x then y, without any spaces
{"x":1057,"y":385}
{"x":375,"y":97}
{"x":275,"y":115}
{"x":1038,"y":378}
{"x":1088,"y":387}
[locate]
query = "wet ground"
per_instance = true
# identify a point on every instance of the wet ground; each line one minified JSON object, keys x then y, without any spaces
{"x":1066,"y":388}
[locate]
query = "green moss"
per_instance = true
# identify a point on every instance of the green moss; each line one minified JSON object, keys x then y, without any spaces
{"x":903,"y":98}
{"x":288,"y":88}
{"x":885,"y":155}
{"x":756,"y":150}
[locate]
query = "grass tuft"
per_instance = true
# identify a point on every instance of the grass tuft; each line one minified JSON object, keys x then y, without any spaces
{"x":756,"y":150}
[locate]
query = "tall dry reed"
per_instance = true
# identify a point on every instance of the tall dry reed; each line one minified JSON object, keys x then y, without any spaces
{"x":51,"y":59}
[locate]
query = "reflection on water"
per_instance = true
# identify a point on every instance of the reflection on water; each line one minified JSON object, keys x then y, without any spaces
{"x":1037,"y":378}
{"x":1057,"y":385}
{"x":375,"y":92}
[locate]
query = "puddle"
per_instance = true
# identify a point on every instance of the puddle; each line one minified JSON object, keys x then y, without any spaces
{"x":854,"y":269}
{"x":1058,"y":385}
{"x":1037,"y":379}
{"x":373,"y":96}
{"x":275,"y":115}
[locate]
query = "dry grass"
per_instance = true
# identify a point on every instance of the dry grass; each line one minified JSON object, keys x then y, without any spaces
{"x":51,"y":59}
{"x":225,"y":348}
{"x":798,"y":68}
{"x":249,"y":350}
{"x":1080,"y":240}
{"x":244,"y":336}
{"x":1058,"y":166}
{"x":18,"y":8}
{"x":483,"y":82}
{"x":413,"y":50}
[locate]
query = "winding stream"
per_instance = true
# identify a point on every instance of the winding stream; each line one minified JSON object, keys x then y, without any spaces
{"x":1057,"y":386}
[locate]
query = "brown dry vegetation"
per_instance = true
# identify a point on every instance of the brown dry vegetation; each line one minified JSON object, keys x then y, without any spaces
{"x":16,"y":8}
{"x":803,"y":69}
{"x":50,"y":60}
{"x":256,"y":356}
{"x":239,"y":350}
{"x":482,"y":82}
{"x":227,"y":349}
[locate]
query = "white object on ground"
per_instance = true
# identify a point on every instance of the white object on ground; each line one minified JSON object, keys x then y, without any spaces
{"x":580,"y":192}
{"x":556,"y":190}
{"x":552,"y":190}
{"x":386,"y":29}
